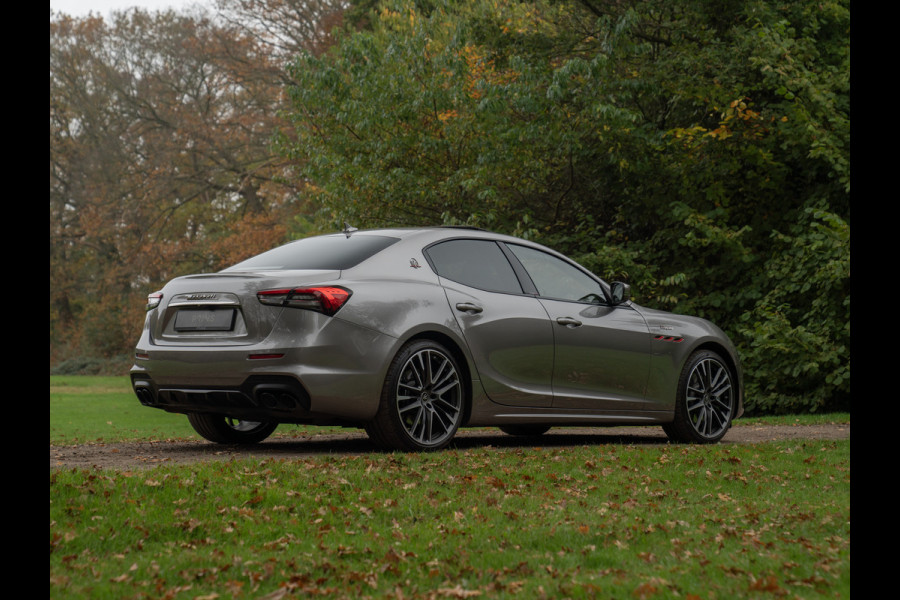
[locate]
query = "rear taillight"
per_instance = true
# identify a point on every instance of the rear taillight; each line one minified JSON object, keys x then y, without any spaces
{"x":153,"y":300}
{"x":326,"y":299}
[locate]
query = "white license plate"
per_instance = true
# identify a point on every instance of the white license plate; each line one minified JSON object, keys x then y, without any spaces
{"x":205,"y":319}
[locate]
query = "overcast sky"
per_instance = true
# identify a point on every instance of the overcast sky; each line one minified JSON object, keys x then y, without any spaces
{"x":80,"y":8}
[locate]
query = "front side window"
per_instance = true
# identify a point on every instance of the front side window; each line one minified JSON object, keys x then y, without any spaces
{"x":476,"y":263}
{"x":556,"y":278}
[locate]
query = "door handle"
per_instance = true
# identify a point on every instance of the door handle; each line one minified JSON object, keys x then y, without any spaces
{"x":468,"y":307}
{"x":568,"y":322}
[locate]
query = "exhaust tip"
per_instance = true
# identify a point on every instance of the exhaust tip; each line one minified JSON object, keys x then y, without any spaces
{"x":280,"y":396}
{"x":267,"y":399}
{"x":287,"y":401}
{"x":144,"y":393}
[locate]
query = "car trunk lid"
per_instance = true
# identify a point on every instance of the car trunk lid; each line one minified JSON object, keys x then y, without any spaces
{"x":223,"y":308}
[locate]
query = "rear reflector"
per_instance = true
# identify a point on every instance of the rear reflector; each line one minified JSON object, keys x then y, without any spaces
{"x":325,"y":299}
{"x":264,"y":356}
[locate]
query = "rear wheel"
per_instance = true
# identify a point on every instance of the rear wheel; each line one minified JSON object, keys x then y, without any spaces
{"x":227,"y":430}
{"x":705,"y":400}
{"x":422,"y":401}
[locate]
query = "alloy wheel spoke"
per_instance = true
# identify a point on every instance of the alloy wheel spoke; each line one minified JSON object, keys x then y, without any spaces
{"x":696,"y":385}
{"x":703,"y":375}
{"x":723,"y":407}
{"x":721,"y":379}
{"x":419,"y":370}
{"x":713,"y":423}
{"x":449,"y":408}
{"x":429,"y":374}
{"x":446,"y":383}
{"x":411,"y":405}
{"x":717,"y":416}
{"x":239,"y":425}
{"x":416,"y":421}
{"x":438,"y":417}
{"x":701,"y":420}
{"x":415,"y":389}
{"x":439,"y":392}
{"x":428,"y":431}
{"x":723,"y":387}
{"x":439,"y":375}
{"x":694,"y":402}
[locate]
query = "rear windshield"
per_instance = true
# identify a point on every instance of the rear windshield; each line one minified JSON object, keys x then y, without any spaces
{"x":334,"y":252}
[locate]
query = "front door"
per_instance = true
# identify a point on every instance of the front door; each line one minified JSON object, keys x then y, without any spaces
{"x":602,"y":358}
{"x":602,"y":352}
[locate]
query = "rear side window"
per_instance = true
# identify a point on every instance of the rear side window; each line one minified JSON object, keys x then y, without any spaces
{"x":476,"y":263}
{"x":333,"y":252}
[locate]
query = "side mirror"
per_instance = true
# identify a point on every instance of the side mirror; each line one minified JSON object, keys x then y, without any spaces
{"x":620,"y":292}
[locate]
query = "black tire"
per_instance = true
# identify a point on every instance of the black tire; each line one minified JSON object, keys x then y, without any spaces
{"x":226,"y":430}
{"x":422,"y":402}
{"x":525,"y":430}
{"x":705,"y":400}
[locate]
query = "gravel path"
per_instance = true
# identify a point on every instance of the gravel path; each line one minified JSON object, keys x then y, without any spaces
{"x":134,"y":455}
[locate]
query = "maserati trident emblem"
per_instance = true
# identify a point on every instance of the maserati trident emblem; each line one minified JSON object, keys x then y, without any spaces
{"x":414,"y":264}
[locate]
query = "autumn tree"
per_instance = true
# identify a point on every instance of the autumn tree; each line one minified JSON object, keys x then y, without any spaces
{"x":161,"y":163}
{"x":285,"y":28}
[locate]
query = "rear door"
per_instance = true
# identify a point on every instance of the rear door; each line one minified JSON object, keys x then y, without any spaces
{"x":507,"y":331}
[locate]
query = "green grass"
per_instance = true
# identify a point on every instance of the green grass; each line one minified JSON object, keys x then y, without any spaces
{"x":89,"y":409}
{"x":612,"y":521}
{"x":104,"y":409}
{"x":807,"y":419}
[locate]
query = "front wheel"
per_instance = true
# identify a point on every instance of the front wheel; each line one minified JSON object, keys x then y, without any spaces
{"x":227,"y":430}
{"x":422,"y":401}
{"x":705,"y":401}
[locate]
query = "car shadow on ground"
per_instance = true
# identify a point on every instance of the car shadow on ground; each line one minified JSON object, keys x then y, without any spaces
{"x":358,"y":443}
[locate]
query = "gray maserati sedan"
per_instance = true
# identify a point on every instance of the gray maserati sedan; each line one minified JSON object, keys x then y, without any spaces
{"x":414,"y":333}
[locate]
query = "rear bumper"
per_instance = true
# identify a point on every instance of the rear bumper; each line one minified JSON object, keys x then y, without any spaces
{"x":335,"y":376}
{"x":258,"y":398}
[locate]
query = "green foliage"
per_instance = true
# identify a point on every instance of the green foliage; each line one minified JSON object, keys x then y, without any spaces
{"x":88,"y":365}
{"x":761,"y":520}
{"x":797,"y":337}
{"x":661,"y":143}
{"x":419,"y":121}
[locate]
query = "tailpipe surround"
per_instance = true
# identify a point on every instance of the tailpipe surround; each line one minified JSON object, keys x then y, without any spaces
{"x":280,"y":394}
{"x":144,"y":392}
